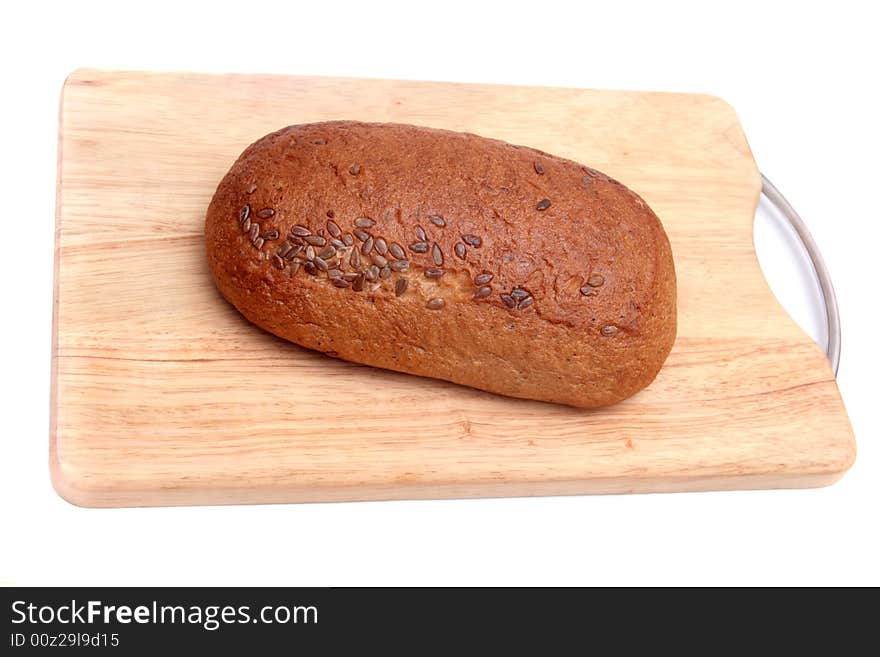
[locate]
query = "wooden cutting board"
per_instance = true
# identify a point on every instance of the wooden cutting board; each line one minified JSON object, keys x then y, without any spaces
{"x":163,"y":394}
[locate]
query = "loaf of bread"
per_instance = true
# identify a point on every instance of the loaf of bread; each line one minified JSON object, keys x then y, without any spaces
{"x":447,"y":255}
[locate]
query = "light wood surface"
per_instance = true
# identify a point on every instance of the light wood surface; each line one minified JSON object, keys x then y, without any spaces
{"x":163,"y":394}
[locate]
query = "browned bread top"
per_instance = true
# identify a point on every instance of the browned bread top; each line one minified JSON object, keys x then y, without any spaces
{"x":449,"y":255}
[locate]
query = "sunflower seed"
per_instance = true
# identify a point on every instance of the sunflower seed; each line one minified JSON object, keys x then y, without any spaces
{"x":300,"y":231}
{"x":508,"y":300}
{"x":327,"y":252}
{"x":347,"y":239}
{"x":340,"y":282}
{"x":587,"y":180}
{"x":315,"y":240}
{"x":437,"y":221}
{"x":385,"y":272}
{"x":519,"y":294}
{"x":362,"y":235}
{"x":596,"y":280}
{"x":354,"y":169}
{"x":472,"y":240}
{"x":378,"y":260}
{"x":350,"y":275}
{"x":372,"y":273}
{"x":320,"y":263}
{"x":525,"y":303}
{"x":435,"y":304}
{"x":294,"y":268}
{"x":295,"y":239}
{"x":246,"y":224}
{"x":333,"y":229}
{"x":381,"y":245}
{"x":483,"y":292}
{"x":278,"y":261}
{"x":244,"y":213}
{"x":367,"y":246}
{"x":270,"y":235}
{"x":608,"y":330}
{"x":543,"y":204}
{"x":354,"y":259}
{"x":396,"y":251}
{"x":358,"y":283}
{"x":460,"y":250}
{"x":400,"y":286}
{"x":419,"y":247}
{"x":310,"y":269}
{"x":255,"y":231}
{"x":258,"y":243}
{"x":330,"y":214}
{"x":483,"y":278}
{"x":284,"y":249}
{"x":364,"y":222}
{"x":437,"y":254}
{"x":539,"y":168}
{"x":434,"y":273}
{"x":294,"y":251}
{"x":420,"y":234}
{"x":587,"y":291}
{"x":265,"y":213}
{"x":337,"y":243}
{"x":251,"y":188}
{"x":310,"y":252}
{"x":399,"y":265}
{"x":334,"y":273}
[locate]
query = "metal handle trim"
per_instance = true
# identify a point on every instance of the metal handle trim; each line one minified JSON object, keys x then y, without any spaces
{"x":832,"y":314}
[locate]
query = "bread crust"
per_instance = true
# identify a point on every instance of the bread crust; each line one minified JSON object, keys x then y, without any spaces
{"x":584,"y":260}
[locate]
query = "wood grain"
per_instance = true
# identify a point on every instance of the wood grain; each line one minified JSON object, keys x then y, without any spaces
{"x":163,"y":394}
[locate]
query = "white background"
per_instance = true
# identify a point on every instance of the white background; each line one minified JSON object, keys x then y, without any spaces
{"x":803,"y":78}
